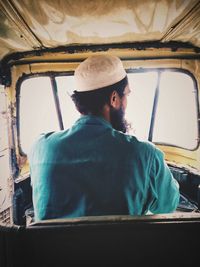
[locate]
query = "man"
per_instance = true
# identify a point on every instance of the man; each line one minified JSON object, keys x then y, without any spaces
{"x":94,"y":168}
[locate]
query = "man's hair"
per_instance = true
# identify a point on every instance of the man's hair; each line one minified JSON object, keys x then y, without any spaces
{"x":92,"y":102}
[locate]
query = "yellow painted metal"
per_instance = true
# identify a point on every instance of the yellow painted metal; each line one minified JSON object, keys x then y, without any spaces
{"x":124,"y":53}
{"x":183,"y":158}
{"x":177,"y":156}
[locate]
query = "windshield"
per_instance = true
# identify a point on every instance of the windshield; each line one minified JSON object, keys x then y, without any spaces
{"x":162,"y":107}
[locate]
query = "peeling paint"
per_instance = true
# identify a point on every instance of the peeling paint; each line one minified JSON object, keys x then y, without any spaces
{"x":180,"y":157}
{"x":29,"y":25}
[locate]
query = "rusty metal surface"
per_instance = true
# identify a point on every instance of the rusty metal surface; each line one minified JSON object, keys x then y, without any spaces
{"x":175,"y":156}
{"x":5,"y":174}
{"x":165,"y":218}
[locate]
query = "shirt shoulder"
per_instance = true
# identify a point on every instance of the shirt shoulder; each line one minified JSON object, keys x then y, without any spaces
{"x":44,"y":142}
{"x":133,"y":142}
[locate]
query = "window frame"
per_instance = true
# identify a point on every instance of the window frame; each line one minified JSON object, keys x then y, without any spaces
{"x":53,"y":74}
{"x":156,"y":96}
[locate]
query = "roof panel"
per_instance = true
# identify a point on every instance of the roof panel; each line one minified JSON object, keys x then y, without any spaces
{"x":27,"y":24}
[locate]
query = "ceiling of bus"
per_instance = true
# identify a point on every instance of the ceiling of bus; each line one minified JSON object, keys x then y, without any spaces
{"x":29,"y":24}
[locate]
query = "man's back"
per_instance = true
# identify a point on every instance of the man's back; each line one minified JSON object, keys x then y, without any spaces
{"x":92,"y":169}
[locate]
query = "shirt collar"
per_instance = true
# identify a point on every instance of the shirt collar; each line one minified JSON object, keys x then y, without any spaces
{"x":92,"y":119}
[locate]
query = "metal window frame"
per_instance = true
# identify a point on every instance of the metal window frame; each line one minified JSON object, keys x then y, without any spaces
{"x":160,"y":70}
{"x":53,"y":75}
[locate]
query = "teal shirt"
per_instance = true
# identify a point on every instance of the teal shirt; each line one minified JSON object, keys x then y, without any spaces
{"x":92,"y":169}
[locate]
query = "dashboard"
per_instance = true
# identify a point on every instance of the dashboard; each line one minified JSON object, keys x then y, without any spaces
{"x":189,"y":189}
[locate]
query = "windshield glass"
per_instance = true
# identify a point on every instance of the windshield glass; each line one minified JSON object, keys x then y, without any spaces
{"x":162,"y":107}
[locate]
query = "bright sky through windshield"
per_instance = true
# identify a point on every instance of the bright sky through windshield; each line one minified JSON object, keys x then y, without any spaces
{"x":175,"y":120}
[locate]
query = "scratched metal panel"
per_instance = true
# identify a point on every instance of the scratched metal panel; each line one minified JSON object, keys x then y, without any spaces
{"x":5,"y":182}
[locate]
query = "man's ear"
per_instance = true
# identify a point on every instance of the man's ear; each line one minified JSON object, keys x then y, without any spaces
{"x":115,"y":100}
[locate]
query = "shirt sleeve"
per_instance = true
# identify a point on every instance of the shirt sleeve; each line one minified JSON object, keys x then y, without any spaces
{"x":164,"y":188}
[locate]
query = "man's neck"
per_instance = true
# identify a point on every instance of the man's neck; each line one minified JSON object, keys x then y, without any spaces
{"x":106,"y":113}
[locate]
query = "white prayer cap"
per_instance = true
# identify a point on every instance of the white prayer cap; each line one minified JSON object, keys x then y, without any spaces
{"x":98,"y":71}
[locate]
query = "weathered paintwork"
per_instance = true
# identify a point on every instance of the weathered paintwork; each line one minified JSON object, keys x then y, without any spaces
{"x":62,"y":62}
{"x":28,"y":25}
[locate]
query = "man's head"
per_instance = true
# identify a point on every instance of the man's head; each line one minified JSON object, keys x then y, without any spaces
{"x":101,"y":89}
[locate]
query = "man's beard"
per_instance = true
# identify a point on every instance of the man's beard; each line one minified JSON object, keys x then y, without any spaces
{"x":117,"y":120}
